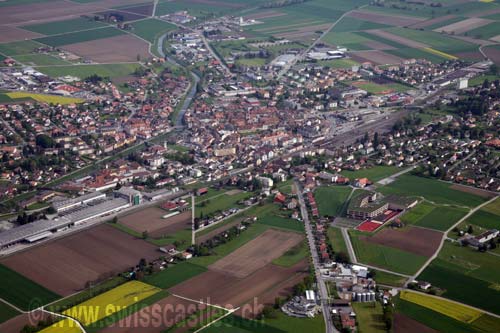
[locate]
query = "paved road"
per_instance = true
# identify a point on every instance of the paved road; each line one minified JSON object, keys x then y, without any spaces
{"x":322,"y":290}
{"x":436,"y":253}
{"x":350,"y":249}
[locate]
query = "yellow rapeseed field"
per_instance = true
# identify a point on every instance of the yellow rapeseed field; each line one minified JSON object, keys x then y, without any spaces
{"x":110,"y":302}
{"x":45,"y":98}
{"x":450,"y":309}
{"x":63,"y":326}
{"x":439,"y":53}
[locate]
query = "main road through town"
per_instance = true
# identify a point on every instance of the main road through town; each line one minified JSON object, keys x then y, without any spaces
{"x":322,"y":290}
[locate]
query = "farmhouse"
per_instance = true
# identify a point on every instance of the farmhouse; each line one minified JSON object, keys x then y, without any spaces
{"x":365,"y":206}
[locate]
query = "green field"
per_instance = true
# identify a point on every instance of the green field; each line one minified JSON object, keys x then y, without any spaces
{"x":293,"y":256}
{"x":484,"y":220}
{"x":480,"y":272}
{"x":435,"y":40}
{"x":65,"y":26}
{"x":350,"y":40}
{"x":338,"y":63}
{"x":388,"y":279}
{"x":251,"y":62}
{"x":281,"y":324}
{"x":479,"y":80}
{"x":81,"y":36}
{"x":6,"y":312}
{"x":21,"y":292}
{"x":151,"y":29}
{"x":412,"y":53}
{"x":352,"y":24}
{"x":84,"y":71}
{"x":220,"y":203}
{"x":431,"y":216}
{"x":336,"y":240}
{"x":432,"y":190}
{"x":384,"y":256}
{"x":374,"y":174}
{"x":369,"y":317}
{"x":432,"y":319}
{"x":331,"y":199}
{"x":39,"y":60}
{"x":173,"y":275}
{"x":376,"y":88}
{"x":486,"y":31}
{"x":20,"y":47}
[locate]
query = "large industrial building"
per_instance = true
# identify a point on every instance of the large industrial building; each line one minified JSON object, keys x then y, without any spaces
{"x":72,"y":212}
{"x":366,"y":205}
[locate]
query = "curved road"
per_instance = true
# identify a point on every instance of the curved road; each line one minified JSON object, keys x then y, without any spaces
{"x":192,"y":91}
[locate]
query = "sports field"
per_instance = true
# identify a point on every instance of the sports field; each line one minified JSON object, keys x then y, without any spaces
{"x":331,"y":199}
{"x":374,"y":174}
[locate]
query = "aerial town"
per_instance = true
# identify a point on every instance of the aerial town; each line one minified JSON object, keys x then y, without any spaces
{"x":277,"y":166}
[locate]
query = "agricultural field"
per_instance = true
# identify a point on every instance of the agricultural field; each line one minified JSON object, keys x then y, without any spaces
{"x":151,"y":29}
{"x":174,"y":275}
{"x":369,"y":316}
{"x":84,"y":71}
{"x":81,"y":36}
{"x":388,"y":279}
{"x":293,"y":256}
{"x":479,"y":271}
{"x":39,"y":60}
{"x":281,"y":324}
{"x":425,"y":320}
{"x":433,"y":216}
{"x":6,"y":312}
{"x":64,"y":26}
{"x":376,"y":88}
{"x":20,"y":47}
{"x":432,"y":190}
{"x":384,"y":256}
{"x":20,"y":291}
{"x":336,"y":240}
{"x":151,"y":220}
{"x":374,"y":174}
{"x":108,"y":252}
{"x":331,"y":199}
{"x":451,"y":309}
{"x":220,"y":203}
{"x":354,"y":24}
{"x":51,"y":99}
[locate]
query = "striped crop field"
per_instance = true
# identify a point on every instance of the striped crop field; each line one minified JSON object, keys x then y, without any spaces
{"x":102,"y":306}
{"x":439,"y":53}
{"x":451,"y":309}
{"x":44,"y":98}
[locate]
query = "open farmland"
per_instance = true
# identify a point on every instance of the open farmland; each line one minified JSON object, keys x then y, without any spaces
{"x":54,"y":99}
{"x":381,"y":18}
{"x":150,"y":220}
{"x":126,"y":48}
{"x":20,"y":291}
{"x":422,"y":242}
{"x":17,"y":323}
{"x":384,"y":256}
{"x":464,"y":26}
{"x":150,"y":29}
{"x":119,"y":297}
{"x":404,"y":324}
{"x":380,"y":58}
{"x":451,"y":309}
{"x":431,"y":216}
{"x":19,"y":47}
{"x":331,"y":199}
{"x":257,"y":253}
{"x":84,"y":71}
{"x":80,"y":37}
{"x":432,"y":190}
{"x":99,"y":252}
{"x":479,"y":271}
{"x":6,"y":313}
{"x":10,"y":34}
{"x":40,"y":59}
{"x":64,"y":26}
